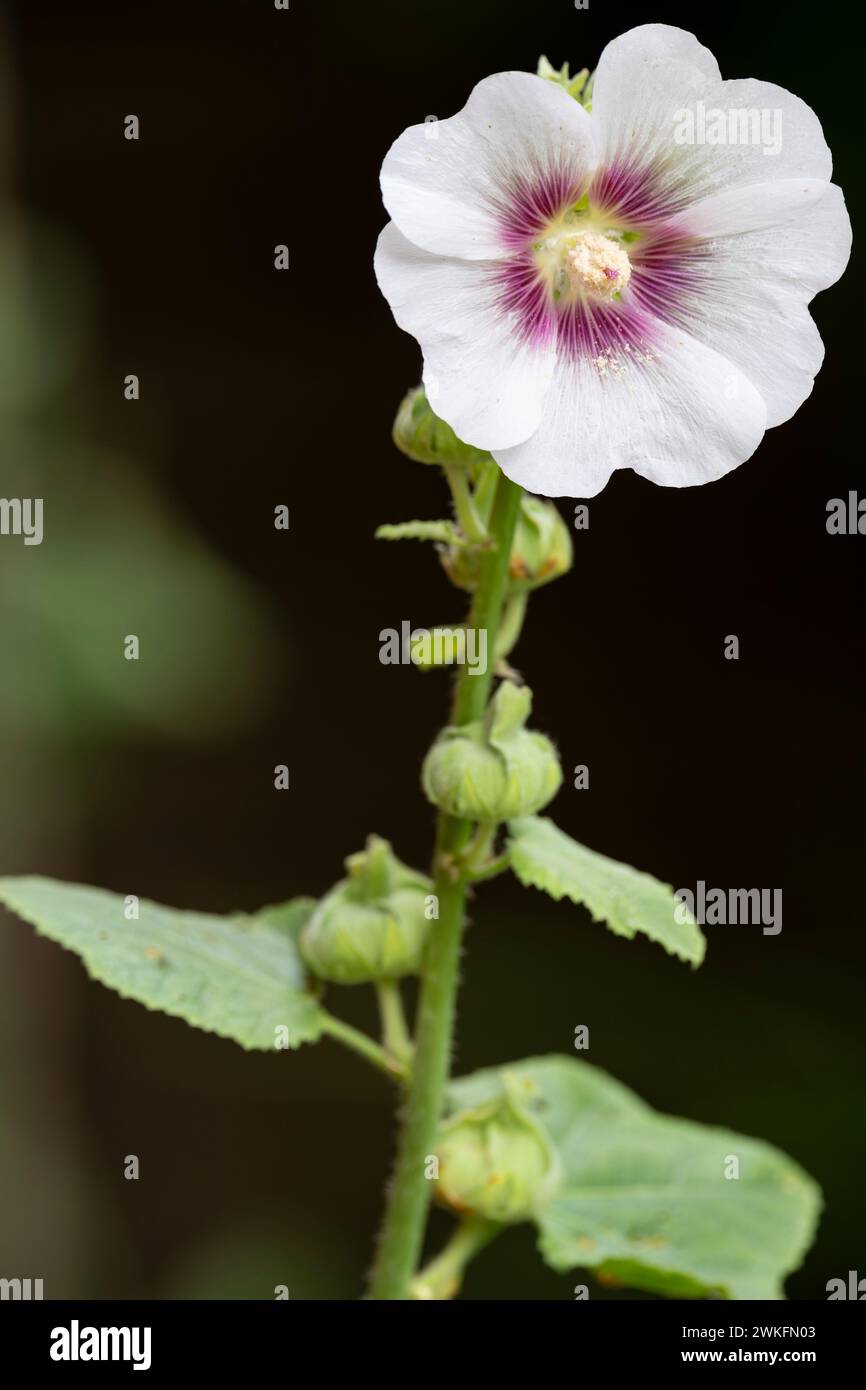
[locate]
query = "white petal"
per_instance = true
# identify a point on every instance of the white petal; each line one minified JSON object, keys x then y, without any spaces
{"x":480,"y":375}
{"x":752,"y":207}
{"x":684,"y":417}
{"x":444,"y":183}
{"x":655,"y":92}
{"x":756,"y":284}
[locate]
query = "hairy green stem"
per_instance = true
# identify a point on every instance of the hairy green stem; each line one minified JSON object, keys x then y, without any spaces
{"x":409,"y":1195}
{"x":442,"y":1277}
{"x":365,"y":1047}
{"x":477,"y":851}
{"x":467,"y":514}
{"x":492,"y":869}
{"x":512,"y":622}
{"x":395,"y":1034}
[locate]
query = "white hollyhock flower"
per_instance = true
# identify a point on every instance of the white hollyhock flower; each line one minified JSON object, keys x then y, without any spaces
{"x":625,"y":289}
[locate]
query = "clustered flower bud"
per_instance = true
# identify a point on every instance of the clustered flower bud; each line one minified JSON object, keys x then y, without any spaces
{"x":372,"y":925}
{"x":494,"y":769}
{"x":579,"y":86}
{"x":542,"y":545}
{"x":496,"y":1160}
{"x":422,"y":436}
{"x":541,"y":549}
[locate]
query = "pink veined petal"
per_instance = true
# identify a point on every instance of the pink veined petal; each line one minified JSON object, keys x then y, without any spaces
{"x":711,"y":341}
{"x":651,"y":79}
{"x":461,"y":186}
{"x":480,"y":375}
{"x":751,"y":290}
{"x":679,"y":414}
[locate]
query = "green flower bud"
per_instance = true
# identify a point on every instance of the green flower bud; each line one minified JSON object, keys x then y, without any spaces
{"x":541,"y":549}
{"x":438,"y":646}
{"x":579,"y":86}
{"x":542,"y":545}
{"x":494,"y":769}
{"x":496,"y":1160}
{"x":422,"y":436}
{"x":372,"y":925}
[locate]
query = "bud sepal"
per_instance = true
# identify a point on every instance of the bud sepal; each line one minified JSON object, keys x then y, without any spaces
{"x":496,"y":1160}
{"x":373,"y":924}
{"x":421,"y":435}
{"x":541,"y":550}
{"x":486,"y":770}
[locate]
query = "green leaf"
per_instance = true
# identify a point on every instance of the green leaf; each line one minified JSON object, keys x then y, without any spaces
{"x":420,"y":531}
{"x":239,"y":976}
{"x":628,"y":901}
{"x":644,"y":1199}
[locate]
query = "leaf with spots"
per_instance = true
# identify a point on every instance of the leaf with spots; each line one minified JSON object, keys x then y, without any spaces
{"x":653,"y":1202}
{"x":239,"y":976}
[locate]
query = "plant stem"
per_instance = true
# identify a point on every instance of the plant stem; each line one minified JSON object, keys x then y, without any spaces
{"x":478,"y":849}
{"x":492,"y":869}
{"x":442,"y":1277}
{"x":512,"y":622}
{"x":469,"y":521}
{"x":409,"y":1197}
{"x":365,"y":1047}
{"x":395,"y":1034}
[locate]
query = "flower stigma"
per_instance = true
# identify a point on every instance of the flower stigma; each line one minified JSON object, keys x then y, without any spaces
{"x":583,"y":264}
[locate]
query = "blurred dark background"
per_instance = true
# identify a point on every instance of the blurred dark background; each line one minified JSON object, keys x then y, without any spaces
{"x":261,"y":647}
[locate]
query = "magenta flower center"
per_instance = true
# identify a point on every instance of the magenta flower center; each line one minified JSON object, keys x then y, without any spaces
{"x":596,"y":269}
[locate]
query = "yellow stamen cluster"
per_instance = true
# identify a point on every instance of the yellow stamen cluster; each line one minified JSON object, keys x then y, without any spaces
{"x":589,"y":263}
{"x":597,"y":265}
